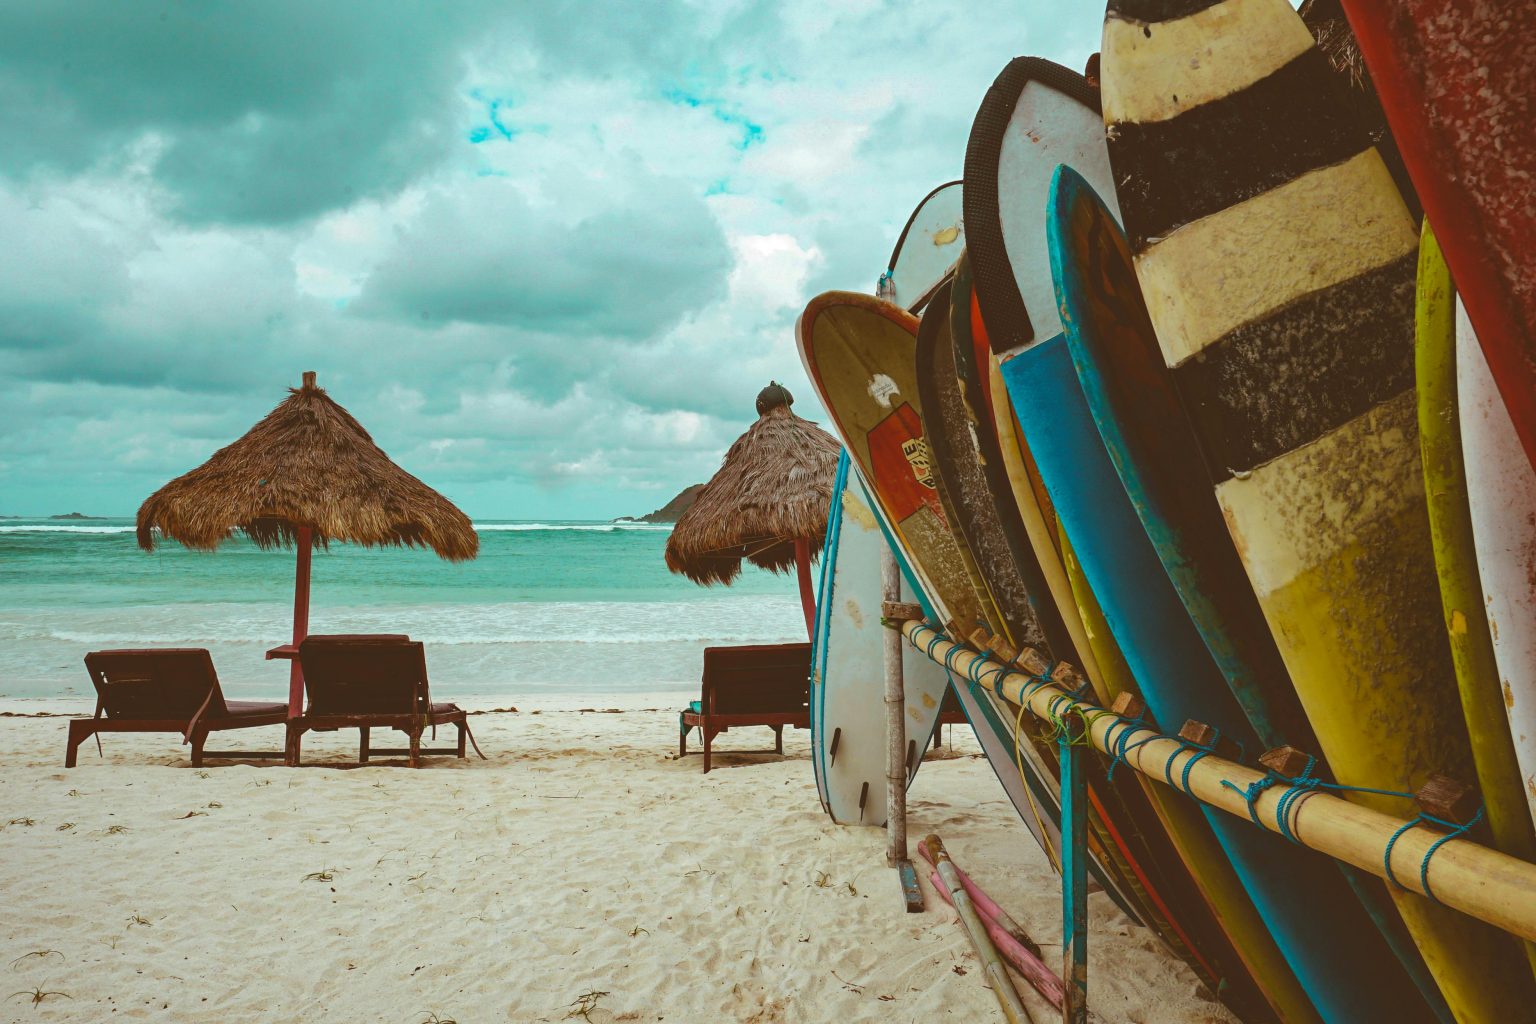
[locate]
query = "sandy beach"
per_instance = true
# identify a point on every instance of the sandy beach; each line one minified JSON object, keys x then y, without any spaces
{"x":582,"y":872}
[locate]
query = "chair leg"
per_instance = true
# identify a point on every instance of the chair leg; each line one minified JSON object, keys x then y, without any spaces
{"x":463,"y":735}
{"x":295,"y":740}
{"x":80,"y":730}
{"x":778,"y":739}
{"x":362,"y":745}
{"x":682,"y":742}
{"x":708,"y":742}
{"x":415,"y":748}
{"x":199,"y":738}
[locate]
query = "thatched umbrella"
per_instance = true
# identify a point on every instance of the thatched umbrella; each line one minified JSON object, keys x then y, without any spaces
{"x":768,"y":503}
{"x":308,"y":473}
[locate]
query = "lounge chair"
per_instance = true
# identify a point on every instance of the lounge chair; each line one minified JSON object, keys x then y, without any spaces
{"x":761,"y":684}
{"x":358,"y":682}
{"x":166,"y":690}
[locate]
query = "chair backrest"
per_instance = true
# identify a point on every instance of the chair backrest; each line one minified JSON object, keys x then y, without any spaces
{"x":169,"y":683}
{"x":759,"y":677}
{"x":364,"y":674}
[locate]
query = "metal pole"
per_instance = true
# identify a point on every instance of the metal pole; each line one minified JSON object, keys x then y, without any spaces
{"x":896,"y":742}
{"x":1074,"y":871}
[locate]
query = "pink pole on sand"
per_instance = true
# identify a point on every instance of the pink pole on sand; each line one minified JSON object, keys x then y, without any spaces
{"x":807,"y":591}
{"x":1040,"y":977}
{"x":300,"y":623}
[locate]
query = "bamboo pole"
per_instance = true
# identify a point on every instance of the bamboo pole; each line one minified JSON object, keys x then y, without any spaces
{"x":1028,"y":964}
{"x":975,"y":930}
{"x":1482,"y":883}
{"x":895,"y":722}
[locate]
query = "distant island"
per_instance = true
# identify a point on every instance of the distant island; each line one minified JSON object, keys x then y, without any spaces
{"x":671,"y":511}
{"x":76,"y":515}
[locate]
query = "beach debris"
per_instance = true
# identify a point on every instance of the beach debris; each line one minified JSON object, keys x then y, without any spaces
{"x":64,"y":827}
{"x":584,"y":1004}
{"x":38,"y":954}
{"x":325,"y":875}
{"x":26,"y":822}
{"x":636,"y":930}
{"x":36,"y":995}
{"x":851,"y":986}
{"x":116,"y":830}
{"x":192,"y":814}
{"x":138,"y":919}
{"x":429,"y":1016}
{"x":992,"y":965}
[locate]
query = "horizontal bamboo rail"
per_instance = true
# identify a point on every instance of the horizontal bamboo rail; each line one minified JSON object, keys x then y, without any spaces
{"x":1462,"y":874}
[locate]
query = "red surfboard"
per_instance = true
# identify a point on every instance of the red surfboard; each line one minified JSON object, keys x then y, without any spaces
{"x":1457,"y":79}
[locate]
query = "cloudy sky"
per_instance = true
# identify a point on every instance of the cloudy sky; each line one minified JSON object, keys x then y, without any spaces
{"x":547,"y":252}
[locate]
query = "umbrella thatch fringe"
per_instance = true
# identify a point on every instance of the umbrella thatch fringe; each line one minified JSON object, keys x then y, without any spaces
{"x":773,"y":487}
{"x":307,"y":464}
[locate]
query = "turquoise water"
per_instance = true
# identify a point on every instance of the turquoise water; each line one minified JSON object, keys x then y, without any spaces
{"x":574,"y":607}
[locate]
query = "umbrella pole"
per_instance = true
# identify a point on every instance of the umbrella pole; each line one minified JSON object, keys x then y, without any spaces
{"x":807,"y":592}
{"x":300,"y":623}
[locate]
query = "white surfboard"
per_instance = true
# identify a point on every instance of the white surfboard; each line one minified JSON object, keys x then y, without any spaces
{"x":1501,"y":490}
{"x":925,"y":250}
{"x":848,"y":735}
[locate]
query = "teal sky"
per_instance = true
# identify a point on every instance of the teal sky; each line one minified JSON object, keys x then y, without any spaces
{"x":546,"y":252}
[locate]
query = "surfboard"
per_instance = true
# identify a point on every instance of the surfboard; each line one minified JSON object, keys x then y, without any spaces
{"x":1457,"y":79}
{"x":848,"y":736}
{"x":973,"y":514}
{"x":1141,"y":851}
{"x":860,"y":354}
{"x":1277,"y":262}
{"x":926,"y":249}
{"x":1035,"y":116}
{"x":1155,"y":458}
{"x":1461,"y":588}
{"x":1501,"y":491}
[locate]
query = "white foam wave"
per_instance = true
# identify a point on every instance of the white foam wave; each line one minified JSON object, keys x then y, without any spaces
{"x":576,"y":527}
{"x":56,"y":528}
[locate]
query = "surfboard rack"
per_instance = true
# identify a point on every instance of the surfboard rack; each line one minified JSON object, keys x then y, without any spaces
{"x":1454,"y":870}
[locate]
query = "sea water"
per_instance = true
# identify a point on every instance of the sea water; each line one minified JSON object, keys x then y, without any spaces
{"x":571,"y":607}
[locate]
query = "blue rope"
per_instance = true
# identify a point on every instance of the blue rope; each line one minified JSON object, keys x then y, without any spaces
{"x":1456,"y":832}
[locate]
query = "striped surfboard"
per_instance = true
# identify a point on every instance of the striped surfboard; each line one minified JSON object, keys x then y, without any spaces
{"x":1277,"y":262}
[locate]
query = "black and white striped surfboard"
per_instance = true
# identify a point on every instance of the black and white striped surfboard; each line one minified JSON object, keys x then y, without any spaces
{"x":1277,"y":260}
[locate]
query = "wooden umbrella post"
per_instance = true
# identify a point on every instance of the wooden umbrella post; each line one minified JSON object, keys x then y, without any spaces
{"x":300,"y":621}
{"x":807,"y":590}
{"x":896,"y":741}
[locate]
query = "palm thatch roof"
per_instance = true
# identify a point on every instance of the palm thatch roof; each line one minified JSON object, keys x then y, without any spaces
{"x":307,"y":464}
{"x":774,"y":487}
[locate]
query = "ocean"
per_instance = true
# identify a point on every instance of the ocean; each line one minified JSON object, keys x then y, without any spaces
{"x":547,"y":607}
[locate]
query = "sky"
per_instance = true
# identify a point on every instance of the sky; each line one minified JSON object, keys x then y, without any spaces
{"x":546,"y":252}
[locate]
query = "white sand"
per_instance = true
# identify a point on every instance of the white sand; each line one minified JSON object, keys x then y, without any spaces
{"x":582,"y":859}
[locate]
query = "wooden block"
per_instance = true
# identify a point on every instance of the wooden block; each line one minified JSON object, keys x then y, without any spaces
{"x":1202,"y":735}
{"x":896,"y":612}
{"x":1286,"y":761}
{"x":911,"y":895}
{"x":1448,"y":799}
{"x":1128,"y":705}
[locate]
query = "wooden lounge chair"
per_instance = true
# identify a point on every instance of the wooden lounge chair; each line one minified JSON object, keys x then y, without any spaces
{"x":761,"y":684}
{"x":362,"y":681}
{"x":166,"y":690}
